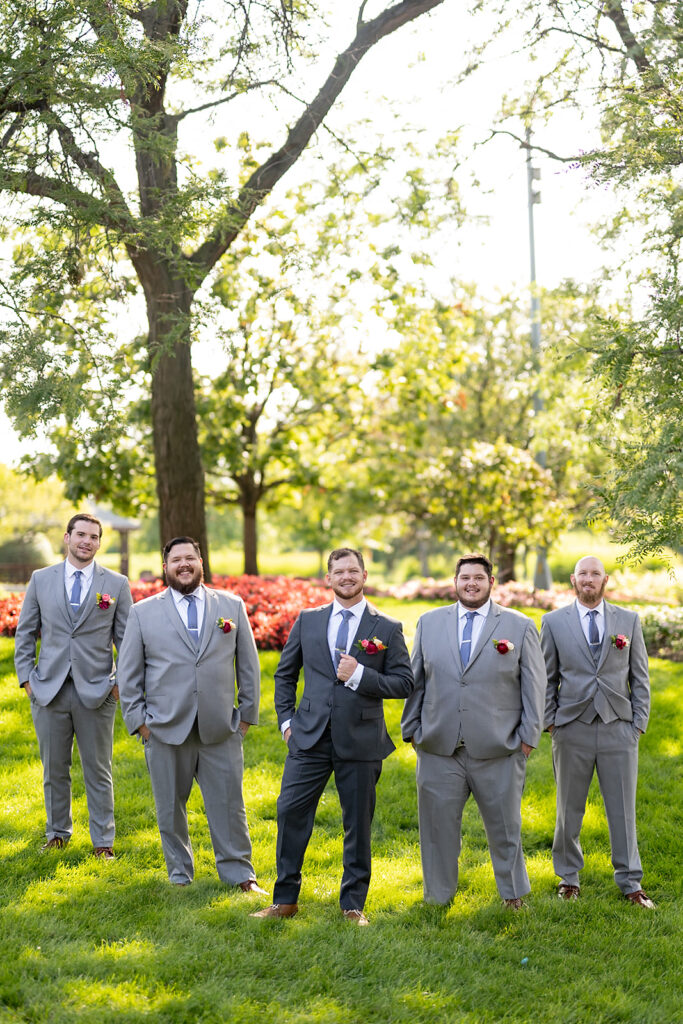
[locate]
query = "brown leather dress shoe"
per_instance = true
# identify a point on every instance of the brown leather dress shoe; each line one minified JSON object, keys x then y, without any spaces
{"x":356,"y":916}
{"x":516,"y":903}
{"x":251,"y":885}
{"x":56,"y":843}
{"x":105,"y":852}
{"x":640,"y":899}
{"x":277,"y":910}
{"x":568,"y":892}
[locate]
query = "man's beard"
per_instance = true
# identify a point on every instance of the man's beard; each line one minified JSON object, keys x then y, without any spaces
{"x":185,"y":588}
{"x":591,"y":596}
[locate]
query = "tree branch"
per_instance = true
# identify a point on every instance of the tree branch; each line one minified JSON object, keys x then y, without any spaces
{"x":534,"y":148}
{"x":224,"y":99}
{"x":615,"y":12}
{"x":264,"y":179}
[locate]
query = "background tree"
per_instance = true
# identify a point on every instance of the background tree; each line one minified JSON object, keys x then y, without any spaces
{"x":86,"y":84}
{"x":623,"y":61}
{"x":289,"y":391}
{"x":455,"y":413}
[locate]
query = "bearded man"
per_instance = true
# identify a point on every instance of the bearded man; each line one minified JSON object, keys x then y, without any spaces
{"x":184,"y":653}
{"x":597,"y":708}
{"x":474,"y":717}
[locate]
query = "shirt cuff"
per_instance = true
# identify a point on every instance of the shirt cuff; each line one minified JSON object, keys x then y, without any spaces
{"x":353,"y":682}
{"x":285,"y":726}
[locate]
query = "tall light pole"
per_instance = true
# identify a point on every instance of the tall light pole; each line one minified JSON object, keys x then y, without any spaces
{"x":542,"y":576}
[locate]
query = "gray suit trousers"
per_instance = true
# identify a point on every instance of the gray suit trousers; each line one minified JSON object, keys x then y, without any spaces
{"x":56,"y":725}
{"x":612,"y":750}
{"x":444,"y":785}
{"x":218,"y":769}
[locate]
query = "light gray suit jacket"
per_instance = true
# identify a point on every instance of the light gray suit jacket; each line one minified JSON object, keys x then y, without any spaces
{"x":619,"y":684}
{"x":82,"y":647}
{"x":494,"y":704}
{"x":166,"y":683}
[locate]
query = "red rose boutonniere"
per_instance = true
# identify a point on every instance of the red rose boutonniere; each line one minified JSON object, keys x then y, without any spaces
{"x":620,"y":641}
{"x":104,"y":600}
{"x":373,"y":646}
{"x":503,"y":646}
{"x":225,"y":625}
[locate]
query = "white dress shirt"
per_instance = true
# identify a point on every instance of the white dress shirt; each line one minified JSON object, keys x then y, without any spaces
{"x":333,"y":628}
{"x":333,"y":625}
{"x":584,"y":619}
{"x":182,"y":606}
{"x":86,"y":579}
{"x":477,"y":623}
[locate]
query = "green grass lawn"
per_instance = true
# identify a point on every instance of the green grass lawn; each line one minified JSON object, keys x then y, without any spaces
{"x":94,"y":942}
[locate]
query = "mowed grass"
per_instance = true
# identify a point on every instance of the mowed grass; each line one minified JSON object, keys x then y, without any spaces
{"x":90,"y":942}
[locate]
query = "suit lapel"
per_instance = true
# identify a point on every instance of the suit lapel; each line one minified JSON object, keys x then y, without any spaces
{"x":574,"y":623}
{"x":453,"y":638}
{"x":487,"y":631}
{"x":88,"y":604}
{"x":322,"y":625}
{"x":173,"y":615}
{"x":210,"y":618}
{"x":367,"y":627}
{"x":61,"y":594}
{"x":610,"y":630}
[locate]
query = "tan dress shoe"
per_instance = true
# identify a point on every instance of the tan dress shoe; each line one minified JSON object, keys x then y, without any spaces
{"x":56,"y":843}
{"x":640,"y":899}
{"x":105,"y":852}
{"x":516,"y":903}
{"x":356,"y":916}
{"x":251,"y":885}
{"x":568,"y":892}
{"x":277,"y":910}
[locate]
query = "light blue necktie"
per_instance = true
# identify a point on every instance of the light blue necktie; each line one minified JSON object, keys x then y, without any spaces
{"x":75,"y":600}
{"x":466,"y":642}
{"x":342,"y":637}
{"x":192,"y":618}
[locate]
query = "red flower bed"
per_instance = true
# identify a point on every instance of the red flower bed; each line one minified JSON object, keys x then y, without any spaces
{"x":272,"y":603}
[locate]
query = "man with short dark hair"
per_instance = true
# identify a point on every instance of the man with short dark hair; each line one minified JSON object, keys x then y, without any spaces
{"x":474,"y":717}
{"x":597,"y":708}
{"x":337,"y":727}
{"x":79,"y":611}
{"x":185,"y":652}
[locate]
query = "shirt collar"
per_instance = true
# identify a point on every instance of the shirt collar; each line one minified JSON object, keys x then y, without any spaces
{"x":356,"y":609}
{"x":178,"y":597}
{"x":70,"y":569}
{"x":600,"y":609}
{"x":484,"y":610}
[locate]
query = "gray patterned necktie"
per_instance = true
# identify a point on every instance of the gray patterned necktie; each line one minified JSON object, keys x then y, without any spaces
{"x":75,"y":599}
{"x":192,"y":618}
{"x":593,"y":634}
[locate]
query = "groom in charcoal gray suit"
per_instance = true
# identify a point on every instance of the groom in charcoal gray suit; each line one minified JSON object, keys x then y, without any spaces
{"x":183,"y":653}
{"x":79,"y":610}
{"x":338,"y":726}
{"x":474,"y":717}
{"x":597,"y":707}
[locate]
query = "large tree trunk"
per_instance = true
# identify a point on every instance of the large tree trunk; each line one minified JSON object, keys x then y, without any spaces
{"x":177,"y":457}
{"x":506,"y":562}
{"x":250,"y":540}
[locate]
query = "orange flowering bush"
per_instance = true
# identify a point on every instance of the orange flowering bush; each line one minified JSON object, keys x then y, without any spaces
{"x":272,"y":603}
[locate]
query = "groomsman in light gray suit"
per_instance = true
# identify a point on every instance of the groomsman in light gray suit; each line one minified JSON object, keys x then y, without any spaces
{"x":597,"y":707}
{"x":183,"y":653}
{"x":79,"y":611}
{"x":474,"y":717}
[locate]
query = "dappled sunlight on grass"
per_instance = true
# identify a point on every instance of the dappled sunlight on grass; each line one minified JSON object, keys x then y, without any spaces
{"x":86,"y":941}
